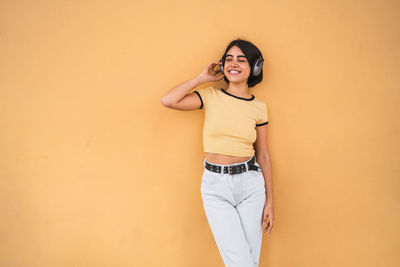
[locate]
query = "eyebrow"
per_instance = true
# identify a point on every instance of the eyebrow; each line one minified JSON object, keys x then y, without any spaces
{"x":237,"y":56}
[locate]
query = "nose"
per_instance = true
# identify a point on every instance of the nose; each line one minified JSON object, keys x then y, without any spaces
{"x":233,"y":63}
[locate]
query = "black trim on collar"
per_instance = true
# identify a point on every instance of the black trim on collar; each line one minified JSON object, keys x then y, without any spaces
{"x":247,"y":99}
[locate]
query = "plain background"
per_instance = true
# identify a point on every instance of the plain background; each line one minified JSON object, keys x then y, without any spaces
{"x":94,"y":171}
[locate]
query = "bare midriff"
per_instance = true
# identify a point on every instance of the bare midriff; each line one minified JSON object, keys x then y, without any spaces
{"x":224,"y":159}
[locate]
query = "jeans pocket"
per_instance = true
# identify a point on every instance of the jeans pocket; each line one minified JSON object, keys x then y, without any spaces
{"x":210,"y":184}
{"x":262,"y":177}
{"x":260,"y":174}
{"x":208,"y":177}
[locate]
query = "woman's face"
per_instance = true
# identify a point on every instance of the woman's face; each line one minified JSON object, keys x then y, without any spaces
{"x":236,"y":68}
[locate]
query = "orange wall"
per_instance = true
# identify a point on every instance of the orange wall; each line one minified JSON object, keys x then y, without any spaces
{"x":94,"y":171}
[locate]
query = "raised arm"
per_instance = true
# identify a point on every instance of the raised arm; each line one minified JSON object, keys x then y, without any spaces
{"x":179,"y":97}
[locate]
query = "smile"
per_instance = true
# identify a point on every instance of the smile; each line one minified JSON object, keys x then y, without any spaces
{"x":234,"y":72}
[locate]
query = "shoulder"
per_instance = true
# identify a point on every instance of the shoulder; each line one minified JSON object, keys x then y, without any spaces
{"x":206,"y":95}
{"x":260,"y":103}
{"x":209,"y":90}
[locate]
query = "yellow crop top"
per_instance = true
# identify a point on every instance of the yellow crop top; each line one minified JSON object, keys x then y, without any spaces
{"x":230,"y":121}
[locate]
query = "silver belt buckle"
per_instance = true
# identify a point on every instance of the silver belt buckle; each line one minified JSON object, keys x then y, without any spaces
{"x":230,"y":169}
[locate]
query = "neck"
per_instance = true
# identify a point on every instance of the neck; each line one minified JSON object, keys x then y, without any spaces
{"x":239,"y":88}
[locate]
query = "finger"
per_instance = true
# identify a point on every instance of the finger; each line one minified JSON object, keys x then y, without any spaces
{"x":267,"y":228}
{"x":215,"y":66}
{"x":211,"y":65}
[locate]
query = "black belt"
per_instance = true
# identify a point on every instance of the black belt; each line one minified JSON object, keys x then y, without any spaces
{"x":235,"y":168}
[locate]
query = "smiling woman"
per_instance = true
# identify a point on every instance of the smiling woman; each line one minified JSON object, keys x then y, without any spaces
{"x":236,"y":179}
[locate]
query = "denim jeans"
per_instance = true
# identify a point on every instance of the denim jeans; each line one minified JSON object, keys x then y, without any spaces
{"x":234,"y":205}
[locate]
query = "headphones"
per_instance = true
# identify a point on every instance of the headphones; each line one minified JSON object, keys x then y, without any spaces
{"x":255,"y":69}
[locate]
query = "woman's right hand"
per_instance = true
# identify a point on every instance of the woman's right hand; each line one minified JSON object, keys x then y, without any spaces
{"x":211,"y":75}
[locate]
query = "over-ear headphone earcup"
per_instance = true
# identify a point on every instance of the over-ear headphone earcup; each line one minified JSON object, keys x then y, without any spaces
{"x":222,"y":65}
{"x":257,"y":67}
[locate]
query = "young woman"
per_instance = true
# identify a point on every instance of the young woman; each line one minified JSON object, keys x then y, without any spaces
{"x":237,"y":176}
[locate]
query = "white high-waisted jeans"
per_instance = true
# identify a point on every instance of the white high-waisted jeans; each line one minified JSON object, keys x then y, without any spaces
{"x":234,"y":205}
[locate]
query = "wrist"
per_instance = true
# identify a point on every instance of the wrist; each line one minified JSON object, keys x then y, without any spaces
{"x":199,"y":79}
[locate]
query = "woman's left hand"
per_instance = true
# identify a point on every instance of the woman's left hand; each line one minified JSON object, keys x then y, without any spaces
{"x":268,"y":212}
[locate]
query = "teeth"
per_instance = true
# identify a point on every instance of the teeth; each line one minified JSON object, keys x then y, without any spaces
{"x":233,"y":71}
